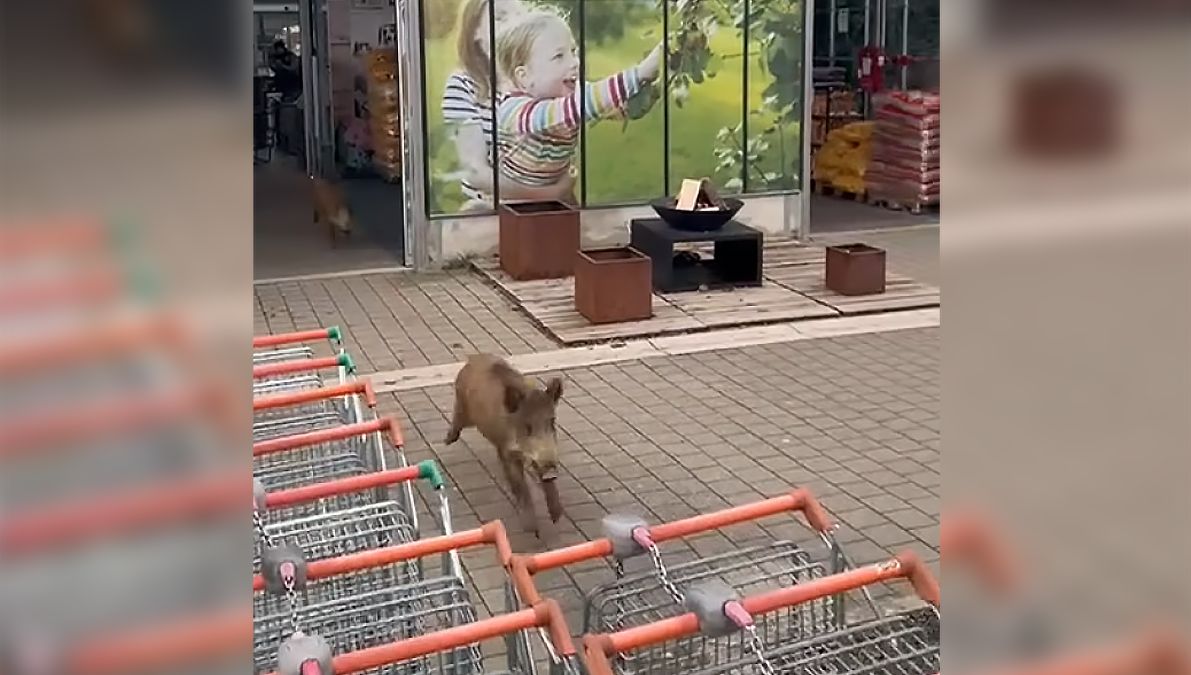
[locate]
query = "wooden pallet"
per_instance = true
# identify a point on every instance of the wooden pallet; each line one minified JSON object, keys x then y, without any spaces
{"x":901,"y":293}
{"x":826,"y":190}
{"x":915,"y":207}
{"x":793,"y":291}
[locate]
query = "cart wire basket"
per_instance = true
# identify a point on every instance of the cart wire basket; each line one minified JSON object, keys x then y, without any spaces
{"x":300,"y":374}
{"x":630,"y":600}
{"x":327,"y":454}
{"x":366,"y":599}
{"x":733,"y":638}
{"x":290,"y":346}
{"x":454,"y":650}
{"x":301,"y":411}
{"x":347,"y":515}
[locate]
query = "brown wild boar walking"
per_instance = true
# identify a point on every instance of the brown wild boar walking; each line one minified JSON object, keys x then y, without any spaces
{"x":518,"y":418}
{"x":330,"y":205}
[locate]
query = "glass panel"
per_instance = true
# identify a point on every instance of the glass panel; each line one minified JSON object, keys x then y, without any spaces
{"x":706,"y":107}
{"x":460,"y":98}
{"x":774,"y":92}
{"x":625,"y":152}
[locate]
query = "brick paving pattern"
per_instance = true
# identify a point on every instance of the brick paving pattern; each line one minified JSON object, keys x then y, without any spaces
{"x":401,"y":320}
{"x":855,"y":419}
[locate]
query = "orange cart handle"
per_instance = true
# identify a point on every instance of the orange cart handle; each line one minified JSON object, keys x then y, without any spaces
{"x":301,"y":366}
{"x":545,"y":614}
{"x":343,"y":486}
{"x":92,"y":286}
{"x":321,"y":394}
{"x":165,"y":504}
{"x":285,"y":443}
{"x":122,"y":336}
{"x":331,"y":333}
{"x":490,"y":533}
{"x":797,"y":500}
{"x":160,"y":647}
{"x":36,"y":431}
{"x":81,"y":235}
{"x":973,"y":540}
{"x":906,"y":565}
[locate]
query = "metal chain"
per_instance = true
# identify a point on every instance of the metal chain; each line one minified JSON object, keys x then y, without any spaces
{"x":758,"y":649}
{"x":618,"y":567}
{"x":258,"y":523}
{"x":664,"y":575}
{"x":291,"y":598}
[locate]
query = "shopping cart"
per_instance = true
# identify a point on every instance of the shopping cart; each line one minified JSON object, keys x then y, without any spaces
{"x":450,"y":651}
{"x":311,"y":409}
{"x":365,"y":599}
{"x":737,"y":634}
{"x":201,"y":643}
{"x":299,"y":374}
{"x":344,"y":516}
{"x":123,"y":440}
{"x":288,"y":346}
{"x":154,"y":505}
{"x":327,"y":454}
{"x":633,"y":600}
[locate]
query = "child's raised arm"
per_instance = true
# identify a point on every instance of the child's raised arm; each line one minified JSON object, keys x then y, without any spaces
{"x":526,"y":115}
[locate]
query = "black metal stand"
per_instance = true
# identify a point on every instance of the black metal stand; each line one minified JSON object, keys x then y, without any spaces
{"x":737,"y":260}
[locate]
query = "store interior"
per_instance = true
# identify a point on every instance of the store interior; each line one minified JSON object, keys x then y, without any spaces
{"x":347,"y":137}
{"x":871,"y":168}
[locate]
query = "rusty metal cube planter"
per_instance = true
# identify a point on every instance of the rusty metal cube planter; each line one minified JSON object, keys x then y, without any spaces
{"x":538,"y":240}
{"x":855,"y":269}
{"x":614,"y":285}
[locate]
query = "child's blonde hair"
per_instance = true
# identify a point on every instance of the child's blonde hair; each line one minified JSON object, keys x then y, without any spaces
{"x":514,"y":42}
{"x":475,"y":61}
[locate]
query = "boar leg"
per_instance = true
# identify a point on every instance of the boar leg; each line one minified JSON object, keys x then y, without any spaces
{"x":458,"y":421}
{"x":515,"y":475}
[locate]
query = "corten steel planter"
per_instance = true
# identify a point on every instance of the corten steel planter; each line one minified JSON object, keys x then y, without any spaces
{"x":538,"y":240}
{"x":613,"y":285}
{"x":855,"y":269}
{"x":1066,"y":113}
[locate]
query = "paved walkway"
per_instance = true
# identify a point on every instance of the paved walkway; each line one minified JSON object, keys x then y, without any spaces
{"x":854,"y":417}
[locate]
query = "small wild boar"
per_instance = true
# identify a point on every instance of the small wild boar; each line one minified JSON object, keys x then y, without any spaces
{"x":518,"y":418}
{"x":330,"y":206}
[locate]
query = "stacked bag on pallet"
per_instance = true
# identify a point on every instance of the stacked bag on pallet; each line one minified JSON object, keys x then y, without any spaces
{"x":904,"y":168}
{"x":384,"y":111}
{"x":843,"y":160}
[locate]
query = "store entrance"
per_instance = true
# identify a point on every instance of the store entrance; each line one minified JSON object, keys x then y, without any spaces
{"x":325,"y":106}
{"x":873,"y":166}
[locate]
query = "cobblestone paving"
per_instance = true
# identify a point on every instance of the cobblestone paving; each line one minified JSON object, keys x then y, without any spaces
{"x":401,"y":320}
{"x":855,"y":419}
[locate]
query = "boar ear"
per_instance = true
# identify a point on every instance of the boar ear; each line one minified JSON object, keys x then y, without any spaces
{"x":554,"y":389}
{"x":513,"y":398}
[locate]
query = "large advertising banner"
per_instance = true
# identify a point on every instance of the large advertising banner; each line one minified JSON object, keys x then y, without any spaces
{"x":609,"y":102}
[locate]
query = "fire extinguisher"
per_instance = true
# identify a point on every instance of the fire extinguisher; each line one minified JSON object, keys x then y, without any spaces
{"x":871,"y":69}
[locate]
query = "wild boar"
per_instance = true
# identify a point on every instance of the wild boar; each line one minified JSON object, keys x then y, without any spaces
{"x":331,"y":207}
{"x":518,"y":418}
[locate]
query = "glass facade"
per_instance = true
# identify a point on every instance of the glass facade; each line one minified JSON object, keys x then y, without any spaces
{"x":609,"y":102}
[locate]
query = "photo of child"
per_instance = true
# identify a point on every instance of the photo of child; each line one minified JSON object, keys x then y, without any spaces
{"x":519,"y":111}
{"x":541,"y":107}
{"x":468,"y":106}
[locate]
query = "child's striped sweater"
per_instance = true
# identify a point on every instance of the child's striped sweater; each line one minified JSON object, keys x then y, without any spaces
{"x":537,"y":136}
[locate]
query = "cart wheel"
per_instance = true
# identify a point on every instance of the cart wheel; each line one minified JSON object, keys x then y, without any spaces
{"x":304,"y":655}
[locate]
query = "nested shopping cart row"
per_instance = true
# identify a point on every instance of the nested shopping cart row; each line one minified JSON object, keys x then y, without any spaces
{"x":346,"y":581}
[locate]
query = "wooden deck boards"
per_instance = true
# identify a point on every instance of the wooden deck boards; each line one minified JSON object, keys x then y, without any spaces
{"x":793,"y":290}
